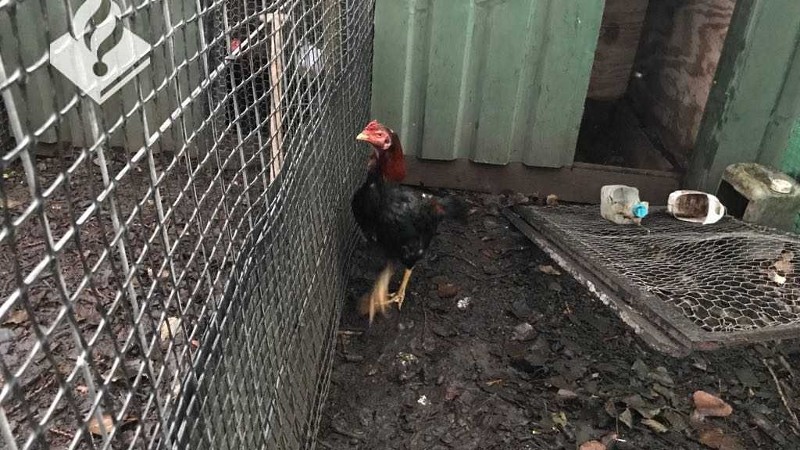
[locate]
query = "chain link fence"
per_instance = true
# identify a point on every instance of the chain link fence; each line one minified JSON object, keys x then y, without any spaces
{"x":173,"y":255}
{"x":705,"y":286}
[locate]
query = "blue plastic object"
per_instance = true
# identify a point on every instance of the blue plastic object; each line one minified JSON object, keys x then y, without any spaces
{"x":639,"y":210}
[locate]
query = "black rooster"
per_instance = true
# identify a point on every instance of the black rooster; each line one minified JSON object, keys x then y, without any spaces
{"x":400,"y":220}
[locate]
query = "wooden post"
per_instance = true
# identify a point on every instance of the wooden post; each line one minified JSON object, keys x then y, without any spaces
{"x":276,"y":69}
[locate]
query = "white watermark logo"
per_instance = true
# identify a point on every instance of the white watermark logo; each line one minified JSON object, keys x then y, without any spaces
{"x":99,"y":58}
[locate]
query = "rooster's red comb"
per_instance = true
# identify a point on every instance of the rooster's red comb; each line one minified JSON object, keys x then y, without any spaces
{"x":374,"y":126}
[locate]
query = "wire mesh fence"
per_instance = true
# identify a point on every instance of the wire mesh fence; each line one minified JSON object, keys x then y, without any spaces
{"x":705,"y":285}
{"x":173,"y":242}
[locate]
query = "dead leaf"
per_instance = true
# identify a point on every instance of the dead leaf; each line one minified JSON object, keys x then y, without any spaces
{"x":707,"y":405}
{"x":452,"y":392}
{"x":170,"y":327}
{"x":447,"y":290}
{"x":85,"y":310}
{"x":609,"y":439}
{"x":676,"y":420}
{"x":552,"y":200}
{"x":17,"y":317}
{"x":195,"y":343}
{"x":494,"y":382}
{"x":784,"y":263}
{"x":627,"y":418}
{"x":131,"y":368}
{"x":559,"y":419}
{"x":655,"y":425}
{"x":12,"y":203}
{"x":592,"y":445}
{"x":523,"y":332}
{"x":83,"y":390}
{"x":776,"y":277}
{"x":549,"y":270}
{"x":715,"y":438}
{"x":107,"y":425}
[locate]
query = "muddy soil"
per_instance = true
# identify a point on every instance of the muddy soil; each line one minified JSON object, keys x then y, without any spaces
{"x":495,"y":348}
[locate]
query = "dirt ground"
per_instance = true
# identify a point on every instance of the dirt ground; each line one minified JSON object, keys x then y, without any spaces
{"x":101,"y":319}
{"x":493,"y":350}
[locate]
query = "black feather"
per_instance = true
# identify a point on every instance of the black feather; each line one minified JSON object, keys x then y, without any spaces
{"x":401,"y":220}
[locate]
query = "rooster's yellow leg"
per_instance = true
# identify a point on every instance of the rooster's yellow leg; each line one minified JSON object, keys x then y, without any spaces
{"x":378,"y":299}
{"x":400,"y":296}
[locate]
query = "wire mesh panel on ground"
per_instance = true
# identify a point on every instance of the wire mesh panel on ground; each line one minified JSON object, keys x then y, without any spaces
{"x":173,"y":265}
{"x":701,"y":286}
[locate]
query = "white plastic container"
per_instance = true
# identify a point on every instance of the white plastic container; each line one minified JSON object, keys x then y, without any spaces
{"x":695,"y":206}
{"x":621,"y":204}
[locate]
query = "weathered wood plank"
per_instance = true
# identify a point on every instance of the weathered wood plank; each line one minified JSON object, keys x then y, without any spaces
{"x":571,"y":41}
{"x":580,"y":183}
{"x":753,"y":69}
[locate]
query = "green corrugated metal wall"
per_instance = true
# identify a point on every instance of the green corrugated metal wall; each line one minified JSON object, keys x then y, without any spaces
{"x":495,"y":81}
{"x":791,"y":160}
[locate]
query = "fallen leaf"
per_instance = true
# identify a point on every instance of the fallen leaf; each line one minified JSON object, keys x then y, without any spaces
{"x":17,"y":317}
{"x":627,"y":418}
{"x":717,"y":439}
{"x":170,"y":327}
{"x":195,"y":343}
{"x":655,"y":425}
{"x":784,"y":263}
{"x":549,"y":270}
{"x":552,"y":200}
{"x":776,"y":277}
{"x":494,"y":382}
{"x":660,"y":375}
{"x":609,"y":439}
{"x":559,"y":419}
{"x":641,"y":369}
{"x":676,"y":420}
{"x":447,"y":290}
{"x":83,"y":390}
{"x":452,"y":392}
{"x":707,"y":405}
{"x":592,"y":445}
{"x":523,"y":332}
{"x":107,"y":424}
{"x":131,"y":368}
{"x":12,"y":203}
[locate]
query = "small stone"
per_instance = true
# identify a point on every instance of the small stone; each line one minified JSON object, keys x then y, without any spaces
{"x":566,"y":394}
{"x":519,"y":198}
{"x":7,"y":335}
{"x":353,"y":358}
{"x":523,"y":332}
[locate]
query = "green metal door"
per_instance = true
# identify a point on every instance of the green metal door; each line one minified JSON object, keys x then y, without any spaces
{"x":493,"y":81}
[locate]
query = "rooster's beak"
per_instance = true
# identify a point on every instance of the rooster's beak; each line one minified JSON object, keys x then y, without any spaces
{"x":362,"y":137}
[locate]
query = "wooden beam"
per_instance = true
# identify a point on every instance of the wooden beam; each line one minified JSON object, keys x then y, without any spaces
{"x":580,"y":183}
{"x":751,"y":78}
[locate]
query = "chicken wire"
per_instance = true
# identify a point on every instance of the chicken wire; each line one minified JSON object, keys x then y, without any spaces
{"x":172,"y":275}
{"x":702,"y":286}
